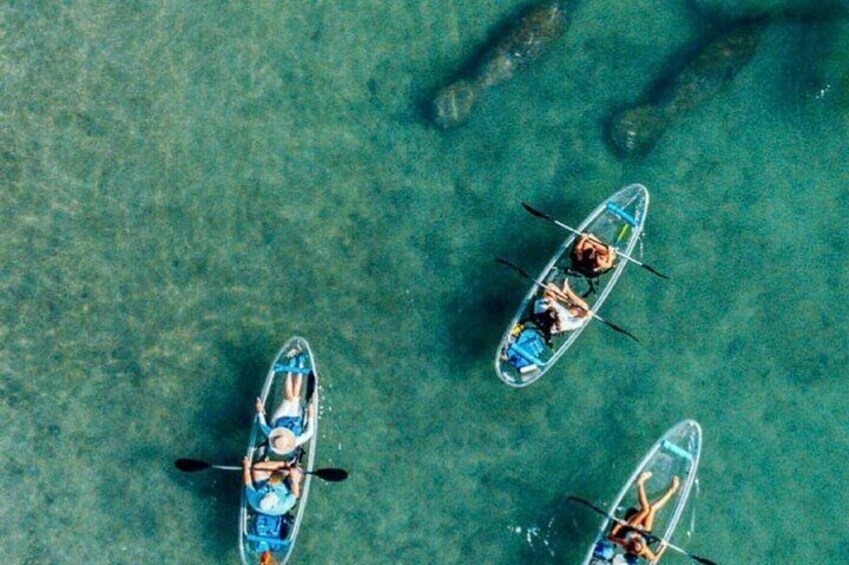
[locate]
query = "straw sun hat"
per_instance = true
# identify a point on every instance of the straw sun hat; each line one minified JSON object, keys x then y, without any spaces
{"x":281,"y":440}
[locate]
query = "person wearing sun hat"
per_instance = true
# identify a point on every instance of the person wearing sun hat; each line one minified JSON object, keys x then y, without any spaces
{"x":289,"y":429}
{"x":270,"y":495}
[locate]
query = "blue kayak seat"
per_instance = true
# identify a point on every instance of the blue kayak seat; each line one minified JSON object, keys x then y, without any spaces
{"x":622,"y":214}
{"x":676,"y":450}
{"x":297,"y":364}
{"x":268,"y":544}
{"x":603,"y":550}
{"x":269,"y":531}
{"x":526,"y":349}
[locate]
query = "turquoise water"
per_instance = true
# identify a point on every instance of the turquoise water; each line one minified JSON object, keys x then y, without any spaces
{"x":185,"y":185}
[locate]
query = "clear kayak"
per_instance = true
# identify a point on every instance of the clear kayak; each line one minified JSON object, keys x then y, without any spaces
{"x":259,"y":542}
{"x":522,"y":356}
{"x":675,"y":454}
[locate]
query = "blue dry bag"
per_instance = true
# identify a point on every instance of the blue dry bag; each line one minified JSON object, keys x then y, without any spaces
{"x":526,"y":349}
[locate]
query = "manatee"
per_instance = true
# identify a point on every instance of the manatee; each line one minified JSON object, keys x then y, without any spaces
{"x":535,"y":30}
{"x":453,"y":104}
{"x":634,"y":131}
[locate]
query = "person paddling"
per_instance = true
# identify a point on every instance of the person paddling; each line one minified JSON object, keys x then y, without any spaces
{"x":633,"y":535}
{"x":590,"y":257}
{"x":560,"y":310}
{"x":266,"y":487}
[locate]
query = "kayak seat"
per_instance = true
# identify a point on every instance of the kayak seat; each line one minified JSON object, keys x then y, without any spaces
{"x":268,"y":526}
{"x":297,"y":364}
{"x":526,"y":349}
{"x":676,"y":450}
{"x":268,"y":544}
{"x":603,"y":550}
{"x":622,"y":214}
{"x":270,"y":531}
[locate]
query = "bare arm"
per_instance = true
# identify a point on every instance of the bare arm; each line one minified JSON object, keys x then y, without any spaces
{"x":246,"y":472}
{"x":606,"y":256}
{"x":614,"y":532}
{"x":270,"y":466}
{"x":656,"y":557}
{"x":568,"y":297}
{"x":295,"y":482}
{"x":309,"y":429}
{"x":260,"y":414}
{"x":650,"y":556}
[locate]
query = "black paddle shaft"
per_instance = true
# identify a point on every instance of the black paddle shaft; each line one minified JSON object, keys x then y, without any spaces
{"x":187,"y":465}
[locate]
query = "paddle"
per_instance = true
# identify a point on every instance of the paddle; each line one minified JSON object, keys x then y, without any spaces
{"x":646,"y":534}
{"x":331,"y":474}
{"x":541,"y":285}
{"x":544,"y":216}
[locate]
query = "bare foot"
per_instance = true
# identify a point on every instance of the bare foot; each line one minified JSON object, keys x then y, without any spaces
{"x":645,"y":476}
{"x":676,"y":482}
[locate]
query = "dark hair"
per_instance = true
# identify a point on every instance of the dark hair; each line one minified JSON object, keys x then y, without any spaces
{"x":583,"y":261}
{"x":545,"y":321}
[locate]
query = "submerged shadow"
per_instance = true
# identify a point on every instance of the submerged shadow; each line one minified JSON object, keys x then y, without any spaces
{"x":225,"y":422}
{"x":485,"y":303}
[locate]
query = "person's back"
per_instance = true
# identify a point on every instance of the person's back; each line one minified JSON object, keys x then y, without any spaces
{"x":591,"y":258}
{"x":270,"y":495}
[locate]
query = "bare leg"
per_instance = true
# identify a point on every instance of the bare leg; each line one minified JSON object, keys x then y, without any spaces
{"x":287,"y":388}
{"x":297,"y":380}
{"x":641,"y":490}
{"x":293,"y":380}
{"x":645,"y":506}
{"x":647,"y":524}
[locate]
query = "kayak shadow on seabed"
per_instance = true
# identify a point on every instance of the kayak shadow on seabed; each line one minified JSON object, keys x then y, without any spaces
{"x":484,"y":302}
{"x":478,"y":325}
{"x":217,"y":421}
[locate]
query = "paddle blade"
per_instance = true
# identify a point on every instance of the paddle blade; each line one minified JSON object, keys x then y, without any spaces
{"x":191,"y":465}
{"x":621,"y":330}
{"x":537,"y":213}
{"x":588,"y":504}
{"x":651,"y":269}
{"x":514,"y":267}
{"x":331,"y":474}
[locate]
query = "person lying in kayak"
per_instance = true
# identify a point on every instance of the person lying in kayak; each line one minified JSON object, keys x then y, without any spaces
{"x":288,"y":430}
{"x":266,"y":486}
{"x":560,"y":310}
{"x":590,"y":257}
{"x":632,"y":535}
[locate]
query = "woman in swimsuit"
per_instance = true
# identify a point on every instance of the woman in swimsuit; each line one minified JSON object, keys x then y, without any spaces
{"x":289,"y":427}
{"x":561,"y":309}
{"x":632,"y":535}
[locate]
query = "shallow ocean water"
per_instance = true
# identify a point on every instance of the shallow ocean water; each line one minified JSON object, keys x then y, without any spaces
{"x":185,"y":185}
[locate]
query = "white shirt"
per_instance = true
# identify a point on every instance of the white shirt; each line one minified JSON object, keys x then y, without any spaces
{"x":566,"y":321}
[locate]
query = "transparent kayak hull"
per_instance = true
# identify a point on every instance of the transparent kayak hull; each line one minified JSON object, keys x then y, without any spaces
{"x":618,"y":221}
{"x":676,"y":453}
{"x":251,"y":545}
